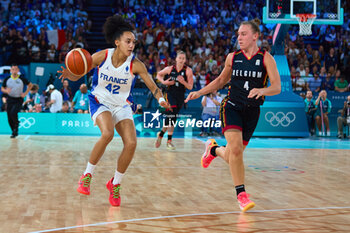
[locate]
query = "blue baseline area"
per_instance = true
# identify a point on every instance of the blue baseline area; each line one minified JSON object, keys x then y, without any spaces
{"x":300,"y":143}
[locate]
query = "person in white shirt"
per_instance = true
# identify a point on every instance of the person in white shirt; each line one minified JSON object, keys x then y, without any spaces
{"x":211,"y":104}
{"x":56,"y":99}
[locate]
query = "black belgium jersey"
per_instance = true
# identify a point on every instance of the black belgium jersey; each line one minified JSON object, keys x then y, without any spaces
{"x":178,"y":89}
{"x":246,"y":75}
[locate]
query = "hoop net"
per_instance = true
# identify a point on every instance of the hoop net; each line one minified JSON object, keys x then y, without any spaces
{"x":305,"y":22}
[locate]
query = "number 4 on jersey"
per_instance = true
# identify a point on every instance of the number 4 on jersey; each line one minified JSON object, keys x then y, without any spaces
{"x":246,"y":85}
{"x":113,"y":89}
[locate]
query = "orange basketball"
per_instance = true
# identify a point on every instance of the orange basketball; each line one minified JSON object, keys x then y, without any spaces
{"x":78,"y":61}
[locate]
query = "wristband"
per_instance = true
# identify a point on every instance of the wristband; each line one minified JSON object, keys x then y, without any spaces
{"x":161,"y":99}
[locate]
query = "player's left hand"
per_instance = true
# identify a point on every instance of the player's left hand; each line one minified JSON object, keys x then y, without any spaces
{"x":166,"y":105}
{"x":180,"y":79}
{"x":256,"y":92}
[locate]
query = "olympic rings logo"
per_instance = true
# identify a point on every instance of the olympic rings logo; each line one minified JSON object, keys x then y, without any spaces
{"x":26,"y":122}
{"x":280,"y":118}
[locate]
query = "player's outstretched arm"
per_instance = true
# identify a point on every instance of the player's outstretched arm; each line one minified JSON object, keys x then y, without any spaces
{"x":218,"y":83}
{"x":275,"y":80}
{"x":140,"y":69}
{"x":97,"y":59}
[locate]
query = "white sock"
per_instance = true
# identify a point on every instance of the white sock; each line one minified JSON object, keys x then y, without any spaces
{"x":89,"y":168}
{"x":117,"y":177}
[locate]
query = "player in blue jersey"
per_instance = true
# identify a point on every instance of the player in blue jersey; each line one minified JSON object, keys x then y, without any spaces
{"x":109,"y":107}
{"x":247,"y":70}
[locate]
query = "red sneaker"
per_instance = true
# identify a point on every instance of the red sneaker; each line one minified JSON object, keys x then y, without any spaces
{"x":207,"y":156}
{"x":114,"y":195}
{"x":84,"y":184}
{"x":244,"y":202}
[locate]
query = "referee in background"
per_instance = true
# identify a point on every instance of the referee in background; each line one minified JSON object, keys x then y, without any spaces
{"x":13,"y":86}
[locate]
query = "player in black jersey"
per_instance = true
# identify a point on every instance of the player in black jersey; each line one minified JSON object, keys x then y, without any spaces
{"x":177,"y":78}
{"x":247,"y":70}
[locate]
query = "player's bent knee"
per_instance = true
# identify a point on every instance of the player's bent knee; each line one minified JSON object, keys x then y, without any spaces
{"x":107,"y":136}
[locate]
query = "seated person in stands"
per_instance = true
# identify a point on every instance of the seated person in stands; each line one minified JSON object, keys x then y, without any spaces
{"x":344,"y":119}
{"x":31,"y":99}
{"x":65,"y":107}
{"x":80,"y":102}
{"x":37,"y":108}
{"x":314,"y":83}
{"x":341,"y":85}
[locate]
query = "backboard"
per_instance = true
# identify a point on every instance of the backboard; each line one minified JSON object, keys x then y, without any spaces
{"x":284,"y":11}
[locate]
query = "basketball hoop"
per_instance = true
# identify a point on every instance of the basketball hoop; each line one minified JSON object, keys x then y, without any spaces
{"x":305,"y":22}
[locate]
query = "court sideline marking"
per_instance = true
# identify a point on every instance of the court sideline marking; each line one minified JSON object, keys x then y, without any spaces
{"x":187,"y":215}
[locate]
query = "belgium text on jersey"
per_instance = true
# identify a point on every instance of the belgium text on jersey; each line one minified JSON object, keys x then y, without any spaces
{"x":246,"y":73}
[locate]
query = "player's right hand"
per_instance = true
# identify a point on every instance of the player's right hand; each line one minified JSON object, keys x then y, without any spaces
{"x":66,"y":74}
{"x":169,"y":82}
{"x":192,"y":96}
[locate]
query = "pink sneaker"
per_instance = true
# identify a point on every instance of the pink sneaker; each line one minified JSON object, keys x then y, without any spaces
{"x":84,"y":184}
{"x":244,"y":202}
{"x":158,"y":142}
{"x":114,"y":195}
{"x":207,"y":156}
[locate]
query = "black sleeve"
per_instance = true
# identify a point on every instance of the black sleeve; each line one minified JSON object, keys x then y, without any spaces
{"x":24,"y":80}
{"x":5,"y":81}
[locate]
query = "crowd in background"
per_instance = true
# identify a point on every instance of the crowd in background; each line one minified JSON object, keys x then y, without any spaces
{"x":23,"y":27}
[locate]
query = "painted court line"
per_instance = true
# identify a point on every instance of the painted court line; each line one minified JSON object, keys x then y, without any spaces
{"x":106,"y":166}
{"x":26,"y":138}
{"x":187,"y":215}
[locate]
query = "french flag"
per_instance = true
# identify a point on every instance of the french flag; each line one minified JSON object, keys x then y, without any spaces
{"x":56,"y":37}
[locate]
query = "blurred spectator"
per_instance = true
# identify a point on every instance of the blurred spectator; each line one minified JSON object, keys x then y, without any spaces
{"x":300,"y":83}
{"x":200,"y":80}
{"x":324,"y":107}
{"x":66,"y":92}
{"x":62,"y":54}
{"x":37,"y":108}
{"x":80,"y":102}
{"x":65,"y":107}
{"x":310,"y":110}
{"x":4,"y":102}
{"x":341,"y":85}
{"x":331,"y":59}
{"x":344,"y":119}
{"x":301,"y":70}
{"x":314,"y":83}
{"x":56,"y":99}
{"x":51,"y":54}
{"x":212,"y":75}
{"x":31,"y":99}
{"x":210,"y":103}
{"x":328,"y":83}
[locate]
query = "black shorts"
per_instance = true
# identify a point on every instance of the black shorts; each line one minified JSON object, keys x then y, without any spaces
{"x":243,"y":118}
{"x":176,"y":103}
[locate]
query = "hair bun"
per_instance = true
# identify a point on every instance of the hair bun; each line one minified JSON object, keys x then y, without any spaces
{"x":257,"y":21}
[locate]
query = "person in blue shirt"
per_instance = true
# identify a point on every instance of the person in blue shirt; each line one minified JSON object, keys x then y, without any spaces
{"x":80,"y":102}
{"x":31,"y":99}
{"x":310,"y":110}
{"x":324,"y":107}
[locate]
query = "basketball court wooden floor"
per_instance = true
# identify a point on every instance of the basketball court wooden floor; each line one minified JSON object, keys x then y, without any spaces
{"x":295,"y":190}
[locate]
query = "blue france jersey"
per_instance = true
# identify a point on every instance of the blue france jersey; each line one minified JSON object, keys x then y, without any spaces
{"x":110,"y":85}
